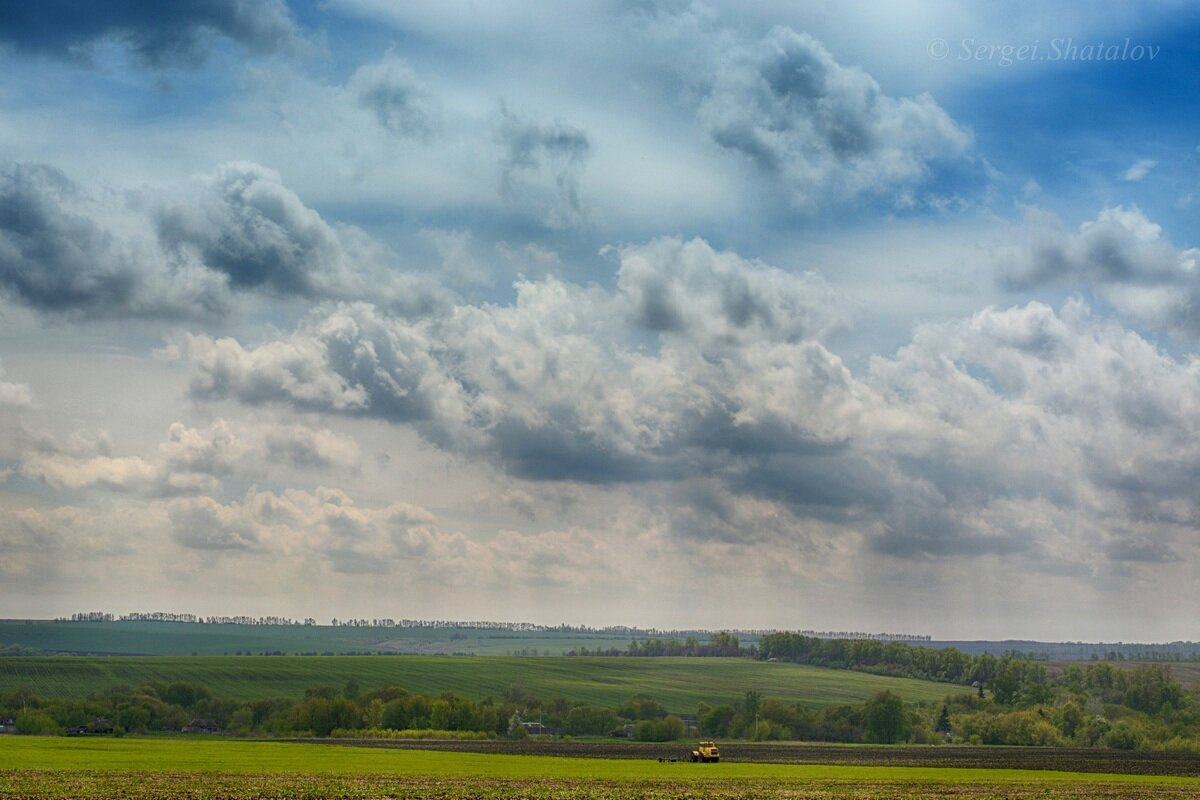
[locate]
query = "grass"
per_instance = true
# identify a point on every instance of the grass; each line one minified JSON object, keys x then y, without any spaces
{"x":678,"y":683}
{"x":264,"y":758}
{"x":144,"y":769}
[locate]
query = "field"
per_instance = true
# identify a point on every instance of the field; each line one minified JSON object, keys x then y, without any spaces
{"x":1064,"y":759}
{"x":678,"y":683}
{"x":182,"y":639}
{"x":36,"y":768}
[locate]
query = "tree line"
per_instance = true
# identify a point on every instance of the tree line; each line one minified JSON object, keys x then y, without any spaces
{"x":392,"y":712}
{"x":1022,"y":704}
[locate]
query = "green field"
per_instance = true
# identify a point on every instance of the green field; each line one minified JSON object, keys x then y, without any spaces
{"x":131,"y":768}
{"x":182,"y":639}
{"x":678,"y":683}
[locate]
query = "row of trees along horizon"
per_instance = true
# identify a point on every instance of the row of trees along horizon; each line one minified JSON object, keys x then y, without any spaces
{"x":1006,"y":700}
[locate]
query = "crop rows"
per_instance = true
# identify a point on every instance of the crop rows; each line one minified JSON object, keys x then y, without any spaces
{"x":1066,"y":759}
{"x":61,"y":785}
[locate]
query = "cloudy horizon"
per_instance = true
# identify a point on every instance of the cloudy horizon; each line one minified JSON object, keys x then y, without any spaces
{"x":662,"y":314}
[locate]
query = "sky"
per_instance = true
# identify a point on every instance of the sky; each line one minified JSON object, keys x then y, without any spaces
{"x":796,"y":315}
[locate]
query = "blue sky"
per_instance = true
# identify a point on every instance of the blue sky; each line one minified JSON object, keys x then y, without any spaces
{"x":558,"y":312}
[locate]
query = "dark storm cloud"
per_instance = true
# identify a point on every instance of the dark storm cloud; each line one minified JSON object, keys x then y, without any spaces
{"x":1152,"y":486}
{"x":826,"y":485}
{"x":935,"y":533}
{"x":1140,"y":550}
{"x":562,"y":450}
{"x":51,"y":257}
{"x":159,"y":34}
{"x":58,"y":254}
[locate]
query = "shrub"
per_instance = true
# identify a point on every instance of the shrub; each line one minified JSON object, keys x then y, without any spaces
{"x":1123,"y":736}
{"x":668,"y":729}
{"x":35,"y":723}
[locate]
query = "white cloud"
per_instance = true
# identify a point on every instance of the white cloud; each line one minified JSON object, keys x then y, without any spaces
{"x":1123,"y":253}
{"x":555,"y":383}
{"x":944,"y":450}
{"x":192,"y":460}
{"x":827,"y":131}
{"x":1138,"y":170}
{"x":15,"y":395}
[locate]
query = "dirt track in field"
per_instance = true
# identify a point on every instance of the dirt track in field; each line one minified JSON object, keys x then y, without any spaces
{"x":1041,"y":758}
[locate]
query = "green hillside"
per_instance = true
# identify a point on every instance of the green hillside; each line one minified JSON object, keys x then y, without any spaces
{"x":678,"y":683}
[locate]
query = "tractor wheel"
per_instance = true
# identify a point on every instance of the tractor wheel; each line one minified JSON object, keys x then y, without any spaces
{"x":695,"y":758}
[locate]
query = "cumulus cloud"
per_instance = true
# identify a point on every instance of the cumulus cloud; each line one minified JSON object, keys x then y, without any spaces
{"x":246,"y":225}
{"x":67,"y":250}
{"x":555,"y":384}
{"x":172,"y":35}
{"x":325,"y":524}
{"x":1123,"y":253}
{"x":995,"y":414}
{"x":987,"y":436}
{"x":538,"y":153}
{"x":328,"y":529}
{"x":192,"y":460}
{"x":687,"y":288}
{"x":14,"y":395}
{"x":64,"y":250}
{"x":826,"y":130}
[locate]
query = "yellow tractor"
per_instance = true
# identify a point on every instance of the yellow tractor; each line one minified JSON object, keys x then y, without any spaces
{"x":707,"y":751}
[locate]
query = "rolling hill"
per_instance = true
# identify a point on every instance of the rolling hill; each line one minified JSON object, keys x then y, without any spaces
{"x":678,"y":683}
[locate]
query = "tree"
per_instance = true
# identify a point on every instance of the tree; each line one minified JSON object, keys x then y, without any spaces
{"x":750,"y":703}
{"x":724,"y":643}
{"x":943,"y":722}
{"x":1070,"y":718}
{"x":886,"y":720}
{"x":716,"y":722}
{"x":1150,"y":687}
